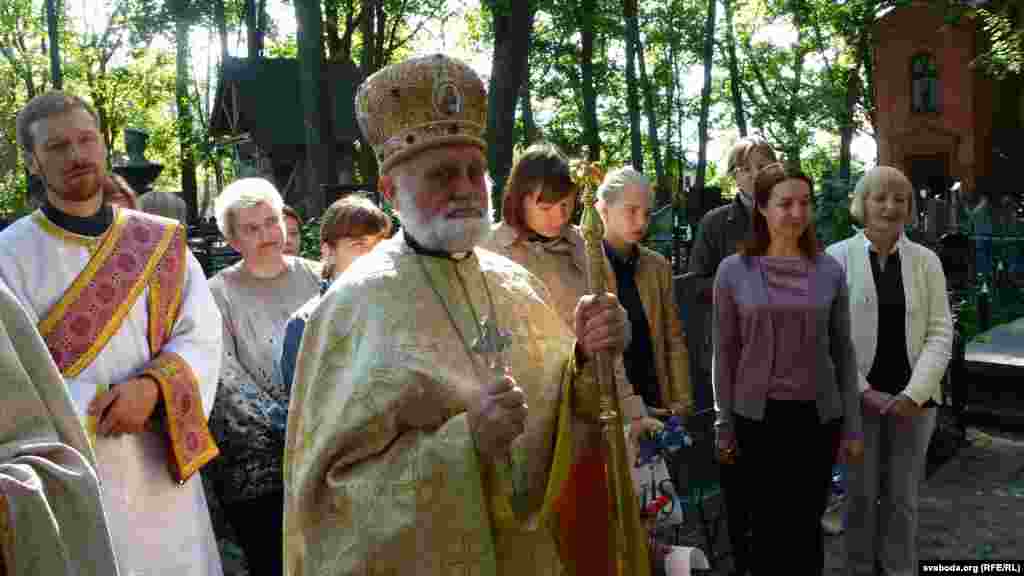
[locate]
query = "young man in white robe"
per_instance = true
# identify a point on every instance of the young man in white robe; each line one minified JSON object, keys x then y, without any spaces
{"x":126,"y":313}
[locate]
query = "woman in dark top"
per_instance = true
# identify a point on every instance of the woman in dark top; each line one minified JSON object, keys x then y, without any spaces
{"x":785,"y":374}
{"x":902,"y":331}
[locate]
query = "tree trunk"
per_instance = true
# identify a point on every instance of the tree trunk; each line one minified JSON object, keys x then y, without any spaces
{"x":261,"y":24}
{"x":664,"y":194}
{"x":222,"y":30}
{"x":346,"y":40}
{"x":591,"y":136}
{"x":189,"y":186}
{"x":734,"y":70}
{"x":221,"y":22}
{"x":218,"y":170}
{"x":705,"y":101}
{"x":794,"y":143}
{"x":670,"y":101}
{"x":56,"y":74}
{"x":865,"y":56}
{"x":320,"y":144}
{"x":252,"y":27}
{"x":333,"y":30}
{"x":846,"y":130}
{"x":530,"y":130}
{"x":632,"y":98}
{"x":380,"y":36}
{"x":512,"y":26}
{"x":367,"y":161}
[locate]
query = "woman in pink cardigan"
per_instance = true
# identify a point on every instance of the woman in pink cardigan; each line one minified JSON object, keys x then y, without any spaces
{"x":785,"y":374}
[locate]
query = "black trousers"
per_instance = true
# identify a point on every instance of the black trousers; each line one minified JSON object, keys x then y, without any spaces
{"x":737,"y":514}
{"x":259,"y":525}
{"x":787,"y":466}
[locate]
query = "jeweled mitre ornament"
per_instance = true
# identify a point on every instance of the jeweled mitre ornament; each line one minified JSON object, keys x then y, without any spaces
{"x":421,"y":103}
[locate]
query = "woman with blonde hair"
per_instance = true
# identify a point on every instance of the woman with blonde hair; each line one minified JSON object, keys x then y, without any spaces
{"x":903,"y":333}
{"x":785,"y":375}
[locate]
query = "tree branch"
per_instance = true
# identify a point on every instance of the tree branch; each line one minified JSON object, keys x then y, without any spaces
{"x":758,"y":74}
{"x":400,"y":43}
{"x":821,"y":45}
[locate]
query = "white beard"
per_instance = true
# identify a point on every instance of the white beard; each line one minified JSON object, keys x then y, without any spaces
{"x":440,"y":233}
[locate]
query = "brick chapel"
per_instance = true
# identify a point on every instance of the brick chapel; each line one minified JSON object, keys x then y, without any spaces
{"x":939,"y":119}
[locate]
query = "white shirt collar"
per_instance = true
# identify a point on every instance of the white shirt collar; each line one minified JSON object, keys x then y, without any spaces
{"x":895,"y":247}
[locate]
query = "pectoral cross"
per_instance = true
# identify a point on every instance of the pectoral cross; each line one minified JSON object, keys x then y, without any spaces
{"x":491,"y":345}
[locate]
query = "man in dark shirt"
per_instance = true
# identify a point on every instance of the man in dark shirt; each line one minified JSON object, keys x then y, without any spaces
{"x":720,"y":232}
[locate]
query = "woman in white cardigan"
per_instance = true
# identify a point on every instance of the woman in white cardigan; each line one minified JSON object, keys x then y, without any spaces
{"x":903,"y":333}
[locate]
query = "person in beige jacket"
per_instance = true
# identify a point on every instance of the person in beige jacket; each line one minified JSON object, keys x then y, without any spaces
{"x":535,"y":232}
{"x":656,"y":362}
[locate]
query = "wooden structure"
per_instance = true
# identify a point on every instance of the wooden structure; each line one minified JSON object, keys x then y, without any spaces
{"x":258,"y":112}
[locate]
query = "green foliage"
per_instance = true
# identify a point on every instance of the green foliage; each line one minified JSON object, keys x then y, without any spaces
{"x":111,"y":63}
{"x":671,"y":35}
{"x":832,"y":218}
{"x":287,"y":47}
{"x":310,"y":247}
{"x":1006,"y":54}
{"x":1006,"y":304}
{"x":12,"y":196}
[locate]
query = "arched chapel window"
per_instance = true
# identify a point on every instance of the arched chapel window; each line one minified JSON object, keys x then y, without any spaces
{"x":924,"y":82}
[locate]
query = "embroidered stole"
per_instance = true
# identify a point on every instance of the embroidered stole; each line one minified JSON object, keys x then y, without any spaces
{"x":6,"y":536}
{"x":136,"y":253}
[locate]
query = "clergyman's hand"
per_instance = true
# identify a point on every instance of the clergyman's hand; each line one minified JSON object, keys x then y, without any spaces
{"x":601,"y":324}
{"x":125,"y":408}
{"x":498,"y":417}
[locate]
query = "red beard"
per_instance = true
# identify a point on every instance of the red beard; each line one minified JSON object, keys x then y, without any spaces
{"x":80,"y":189}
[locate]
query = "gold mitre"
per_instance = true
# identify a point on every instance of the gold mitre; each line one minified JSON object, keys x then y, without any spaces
{"x":421,"y":103}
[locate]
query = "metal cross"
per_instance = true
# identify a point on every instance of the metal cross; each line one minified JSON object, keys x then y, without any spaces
{"x":492,"y":344}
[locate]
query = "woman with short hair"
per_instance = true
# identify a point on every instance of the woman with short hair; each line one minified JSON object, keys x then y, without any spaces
{"x":536,"y":232}
{"x":785,"y":375}
{"x":349,"y":228}
{"x":903,"y":334}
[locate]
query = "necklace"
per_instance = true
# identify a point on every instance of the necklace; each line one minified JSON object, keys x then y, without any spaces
{"x":489,"y":340}
{"x":482,"y":332}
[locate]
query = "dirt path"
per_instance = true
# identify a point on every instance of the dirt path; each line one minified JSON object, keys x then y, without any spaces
{"x":973,"y":507}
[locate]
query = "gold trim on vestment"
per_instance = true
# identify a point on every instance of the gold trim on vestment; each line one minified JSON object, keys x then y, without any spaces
{"x":184,"y":415}
{"x":158,"y":334}
{"x":87,"y":276}
{"x":89,"y":242}
{"x":6,"y":537}
{"x":109,"y":242}
{"x":155,"y":317}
